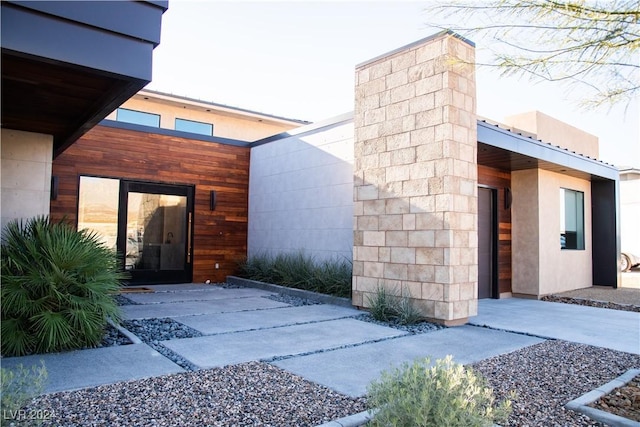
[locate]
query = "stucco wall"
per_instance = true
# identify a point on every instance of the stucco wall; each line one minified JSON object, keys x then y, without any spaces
{"x":525,"y":232}
{"x":226,"y":125}
{"x":301,"y":194}
{"x":549,"y":129}
{"x":562,"y":270}
{"x":26,"y":174}
{"x":540,"y":267}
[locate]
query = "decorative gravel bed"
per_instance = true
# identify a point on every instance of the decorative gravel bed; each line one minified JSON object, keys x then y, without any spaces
{"x":416,"y":328}
{"x":592,"y":303}
{"x":623,"y":401}
{"x":291,"y":300}
{"x":153,"y":331}
{"x":248,"y":394}
{"x":113,"y":337}
{"x":122,"y":300}
{"x":548,"y":375}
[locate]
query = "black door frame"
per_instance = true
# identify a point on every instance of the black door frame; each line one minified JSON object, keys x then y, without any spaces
{"x":494,"y":293}
{"x":138,"y":277}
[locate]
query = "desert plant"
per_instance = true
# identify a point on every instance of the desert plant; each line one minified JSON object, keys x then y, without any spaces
{"x":422,"y":395}
{"x":406,"y":314}
{"x":301,"y":271}
{"x":384,"y":307}
{"x":18,"y":386}
{"x":58,"y":287}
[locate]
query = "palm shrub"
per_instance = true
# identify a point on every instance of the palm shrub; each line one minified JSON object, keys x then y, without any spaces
{"x":445,"y":394}
{"x":58,"y":287}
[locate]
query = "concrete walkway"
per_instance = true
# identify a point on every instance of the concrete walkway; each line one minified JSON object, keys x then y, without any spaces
{"x":323,"y":343}
{"x":614,"y":329}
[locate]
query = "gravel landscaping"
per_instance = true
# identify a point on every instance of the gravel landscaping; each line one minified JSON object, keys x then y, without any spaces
{"x":153,"y":331}
{"x":248,"y":394}
{"x":548,"y":375}
{"x":416,"y":328}
{"x":591,"y":303}
{"x":623,"y":401}
{"x":544,"y":377}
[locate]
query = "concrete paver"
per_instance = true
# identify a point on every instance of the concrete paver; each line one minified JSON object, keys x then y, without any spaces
{"x":249,"y":320}
{"x":191,"y":308}
{"x":614,"y":329}
{"x":196,"y":295}
{"x":283,"y":330}
{"x":86,"y":368}
{"x":220,"y":350}
{"x":350,"y":370}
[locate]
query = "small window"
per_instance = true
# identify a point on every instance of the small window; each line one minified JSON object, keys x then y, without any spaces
{"x":571,"y":219}
{"x":194,"y":127}
{"x":138,"y":117}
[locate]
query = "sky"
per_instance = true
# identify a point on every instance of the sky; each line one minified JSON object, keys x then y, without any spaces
{"x":297,"y":59}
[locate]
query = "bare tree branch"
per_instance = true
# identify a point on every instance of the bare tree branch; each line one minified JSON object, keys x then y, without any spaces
{"x":589,"y":43}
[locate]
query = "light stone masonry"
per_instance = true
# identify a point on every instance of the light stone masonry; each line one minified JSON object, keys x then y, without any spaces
{"x":415,"y":195}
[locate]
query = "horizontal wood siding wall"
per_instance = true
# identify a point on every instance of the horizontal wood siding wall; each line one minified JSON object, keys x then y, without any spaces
{"x":220,"y":236}
{"x":500,"y":180}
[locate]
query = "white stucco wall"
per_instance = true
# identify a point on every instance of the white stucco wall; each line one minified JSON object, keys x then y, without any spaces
{"x":540,"y":266}
{"x":630,"y":212}
{"x":26,"y":174}
{"x":301,"y":193}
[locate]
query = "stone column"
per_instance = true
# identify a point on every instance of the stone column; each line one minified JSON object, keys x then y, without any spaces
{"x":415,"y":183}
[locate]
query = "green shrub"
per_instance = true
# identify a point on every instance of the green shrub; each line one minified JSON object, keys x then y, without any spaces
{"x":18,"y":387}
{"x":301,"y":271}
{"x":382,"y":305}
{"x":57,"y":289}
{"x":386,"y":308}
{"x":446,"y":394}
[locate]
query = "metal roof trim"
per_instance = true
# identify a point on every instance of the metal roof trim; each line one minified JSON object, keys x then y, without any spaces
{"x":497,"y":136}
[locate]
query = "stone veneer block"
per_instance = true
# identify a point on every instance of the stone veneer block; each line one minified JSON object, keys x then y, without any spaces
{"x":415,"y":187}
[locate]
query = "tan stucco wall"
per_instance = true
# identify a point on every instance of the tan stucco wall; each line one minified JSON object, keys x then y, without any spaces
{"x":562,"y":270}
{"x":225,"y":124}
{"x":525,"y":241}
{"x":540,"y":267}
{"x":26,"y":174}
{"x":552,"y":130}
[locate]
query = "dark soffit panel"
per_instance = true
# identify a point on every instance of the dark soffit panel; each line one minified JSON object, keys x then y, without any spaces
{"x":503,"y":149}
{"x":63,"y":71}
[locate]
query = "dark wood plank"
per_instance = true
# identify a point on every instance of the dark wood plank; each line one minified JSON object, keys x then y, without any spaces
{"x":220,"y":236}
{"x":500,"y":180}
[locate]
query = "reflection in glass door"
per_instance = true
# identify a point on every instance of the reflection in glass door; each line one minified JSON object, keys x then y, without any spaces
{"x":154,"y":231}
{"x":148,"y":224}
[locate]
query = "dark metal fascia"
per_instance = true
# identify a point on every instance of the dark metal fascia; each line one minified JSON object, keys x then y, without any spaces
{"x":304,"y":130}
{"x":172,"y":132}
{"x":500,"y":138}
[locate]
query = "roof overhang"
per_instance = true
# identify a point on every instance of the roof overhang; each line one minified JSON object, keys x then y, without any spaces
{"x":66,"y":64}
{"x":503,"y":149}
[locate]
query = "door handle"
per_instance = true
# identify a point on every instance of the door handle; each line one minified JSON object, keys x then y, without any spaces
{"x":189,"y":239}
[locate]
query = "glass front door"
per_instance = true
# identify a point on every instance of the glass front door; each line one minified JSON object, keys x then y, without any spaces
{"x":154,"y":232}
{"x":148,"y":224}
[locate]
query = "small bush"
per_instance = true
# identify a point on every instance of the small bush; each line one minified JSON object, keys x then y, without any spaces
{"x":301,"y":271}
{"x":386,"y":308}
{"x":18,"y":387}
{"x":421,"y":395}
{"x":58,"y":287}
